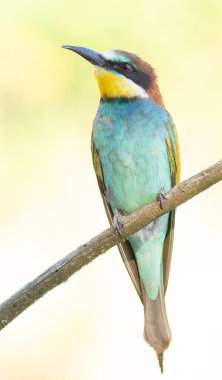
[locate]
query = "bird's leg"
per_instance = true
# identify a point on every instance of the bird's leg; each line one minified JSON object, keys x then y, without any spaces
{"x":161,"y":197}
{"x":117,"y":223}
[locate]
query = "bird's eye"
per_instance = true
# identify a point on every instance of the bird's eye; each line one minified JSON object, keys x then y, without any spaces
{"x":125,"y":67}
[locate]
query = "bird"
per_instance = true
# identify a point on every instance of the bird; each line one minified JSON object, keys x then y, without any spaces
{"x":136,"y":158}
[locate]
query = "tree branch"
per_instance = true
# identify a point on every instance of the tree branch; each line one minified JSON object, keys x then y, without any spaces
{"x":64,"y":268}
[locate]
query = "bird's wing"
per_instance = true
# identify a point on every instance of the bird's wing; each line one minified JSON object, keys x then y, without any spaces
{"x":174,"y":162}
{"x":124,"y":248}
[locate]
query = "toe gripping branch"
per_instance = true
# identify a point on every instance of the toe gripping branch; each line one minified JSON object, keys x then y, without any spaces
{"x":161,"y":197}
{"x":117,"y":223}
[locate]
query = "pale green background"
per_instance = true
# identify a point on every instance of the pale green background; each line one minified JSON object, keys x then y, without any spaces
{"x":91,"y":327}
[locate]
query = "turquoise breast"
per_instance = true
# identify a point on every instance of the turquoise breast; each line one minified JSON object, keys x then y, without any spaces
{"x":131,"y":140}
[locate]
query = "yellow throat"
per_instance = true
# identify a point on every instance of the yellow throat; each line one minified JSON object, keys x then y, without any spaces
{"x":112,"y":85}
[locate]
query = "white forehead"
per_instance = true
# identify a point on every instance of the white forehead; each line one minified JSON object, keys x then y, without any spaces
{"x":109,"y":54}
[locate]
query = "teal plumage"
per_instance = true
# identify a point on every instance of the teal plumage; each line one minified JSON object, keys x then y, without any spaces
{"x":136,"y":156}
{"x":129,"y":137}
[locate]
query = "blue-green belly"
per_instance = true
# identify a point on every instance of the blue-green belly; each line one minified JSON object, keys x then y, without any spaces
{"x":131,"y":141}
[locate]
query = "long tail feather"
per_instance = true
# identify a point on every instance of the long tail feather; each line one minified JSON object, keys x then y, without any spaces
{"x":160,"y":360}
{"x":156,"y":328}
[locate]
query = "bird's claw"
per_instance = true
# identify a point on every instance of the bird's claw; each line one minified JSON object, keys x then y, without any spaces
{"x":161,"y":197}
{"x":117,"y":223}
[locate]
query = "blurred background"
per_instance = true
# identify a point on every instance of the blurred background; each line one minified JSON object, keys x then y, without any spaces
{"x":90,"y":328}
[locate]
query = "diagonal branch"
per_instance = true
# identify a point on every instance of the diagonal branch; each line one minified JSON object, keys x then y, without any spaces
{"x":64,"y":268}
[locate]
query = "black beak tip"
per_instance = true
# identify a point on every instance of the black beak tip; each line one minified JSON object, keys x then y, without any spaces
{"x":66,"y":46}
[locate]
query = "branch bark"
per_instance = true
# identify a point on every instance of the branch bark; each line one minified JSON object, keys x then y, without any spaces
{"x":64,"y":268}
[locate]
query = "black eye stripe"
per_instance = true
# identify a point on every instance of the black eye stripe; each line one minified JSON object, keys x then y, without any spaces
{"x":115,"y":65}
{"x":139,"y":77}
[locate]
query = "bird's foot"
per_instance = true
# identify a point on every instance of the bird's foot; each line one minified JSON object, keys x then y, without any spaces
{"x":117,"y":223}
{"x":161,"y":197}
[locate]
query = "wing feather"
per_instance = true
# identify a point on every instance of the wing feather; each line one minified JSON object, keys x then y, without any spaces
{"x":125,"y":248}
{"x":174,"y":162}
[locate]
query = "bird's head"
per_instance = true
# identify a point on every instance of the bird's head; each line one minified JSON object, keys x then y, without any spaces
{"x":121,"y":74}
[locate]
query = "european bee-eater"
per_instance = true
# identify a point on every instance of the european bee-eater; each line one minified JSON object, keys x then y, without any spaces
{"x":136,"y":157}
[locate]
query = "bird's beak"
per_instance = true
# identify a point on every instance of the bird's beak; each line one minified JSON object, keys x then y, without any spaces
{"x":90,"y":55}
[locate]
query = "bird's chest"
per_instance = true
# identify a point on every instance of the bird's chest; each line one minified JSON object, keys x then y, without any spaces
{"x":132,"y":151}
